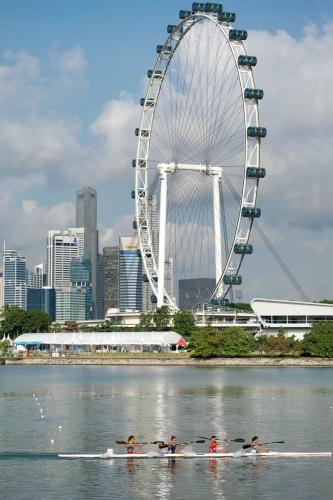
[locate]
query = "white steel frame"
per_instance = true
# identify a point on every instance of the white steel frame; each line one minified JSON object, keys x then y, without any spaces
{"x":155,"y":272}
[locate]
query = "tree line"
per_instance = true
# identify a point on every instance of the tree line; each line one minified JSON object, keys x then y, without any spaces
{"x":235,"y":342}
{"x":202,"y":342}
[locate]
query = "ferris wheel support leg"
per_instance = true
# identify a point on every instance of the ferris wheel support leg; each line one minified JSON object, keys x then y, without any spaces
{"x":161,"y":244}
{"x":217,"y":228}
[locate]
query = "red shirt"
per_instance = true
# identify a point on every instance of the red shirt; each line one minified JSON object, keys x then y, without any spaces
{"x":213,"y":447}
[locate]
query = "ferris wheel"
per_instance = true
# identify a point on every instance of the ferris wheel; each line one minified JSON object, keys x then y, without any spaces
{"x":197,"y":168}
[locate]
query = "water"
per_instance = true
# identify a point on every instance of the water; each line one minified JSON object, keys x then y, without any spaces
{"x":97,"y":405}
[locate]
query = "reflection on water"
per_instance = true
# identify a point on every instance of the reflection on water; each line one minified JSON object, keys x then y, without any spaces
{"x":88,"y":408}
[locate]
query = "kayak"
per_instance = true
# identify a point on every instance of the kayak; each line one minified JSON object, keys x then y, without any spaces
{"x":109,"y":454}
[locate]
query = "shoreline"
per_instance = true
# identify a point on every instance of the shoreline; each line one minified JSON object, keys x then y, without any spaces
{"x":147,"y":361}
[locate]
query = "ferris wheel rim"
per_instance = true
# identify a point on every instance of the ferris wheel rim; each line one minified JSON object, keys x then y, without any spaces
{"x":151,"y":267}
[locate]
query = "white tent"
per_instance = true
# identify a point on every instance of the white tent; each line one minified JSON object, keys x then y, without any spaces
{"x":115,"y":340}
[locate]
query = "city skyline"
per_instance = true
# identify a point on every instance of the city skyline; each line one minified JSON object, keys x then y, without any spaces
{"x":63,"y":117}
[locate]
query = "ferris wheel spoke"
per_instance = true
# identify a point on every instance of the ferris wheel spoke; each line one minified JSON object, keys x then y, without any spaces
{"x":195,"y":104}
{"x":199,"y":117}
{"x":219,"y":125}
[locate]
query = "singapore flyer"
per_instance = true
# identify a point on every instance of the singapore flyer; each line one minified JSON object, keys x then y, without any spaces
{"x":197,"y":168}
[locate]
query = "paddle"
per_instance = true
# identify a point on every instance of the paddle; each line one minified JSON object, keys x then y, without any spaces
{"x":164,"y":445}
{"x":246,"y":446}
{"x":237,"y":440}
{"x":153,"y":442}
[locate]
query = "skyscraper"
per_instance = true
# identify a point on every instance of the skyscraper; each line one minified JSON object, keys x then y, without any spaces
{"x":62,"y":248}
{"x":80,"y":275}
{"x":42,"y":299}
{"x":1,"y":291}
{"x":194,"y":291}
{"x":15,"y":279}
{"x":86,"y":217}
{"x":130,"y":274}
{"x":111,"y":277}
{"x":36,"y":276}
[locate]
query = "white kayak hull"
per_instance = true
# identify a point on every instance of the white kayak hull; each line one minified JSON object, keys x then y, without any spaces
{"x":140,"y":456}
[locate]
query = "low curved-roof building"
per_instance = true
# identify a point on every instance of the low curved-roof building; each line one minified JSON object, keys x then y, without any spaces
{"x":295,"y":317}
{"x":101,"y":341}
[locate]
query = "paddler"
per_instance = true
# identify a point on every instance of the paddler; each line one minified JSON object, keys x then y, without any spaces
{"x":172,"y":446}
{"x":131,"y":444}
{"x":255,"y":444}
{"x":212,"y":446}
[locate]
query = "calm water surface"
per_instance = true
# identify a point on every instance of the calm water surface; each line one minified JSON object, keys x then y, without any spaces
{"x":97,"y":405}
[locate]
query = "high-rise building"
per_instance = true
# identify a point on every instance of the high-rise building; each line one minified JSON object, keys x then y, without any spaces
{"x":194,"y":291}
{"x":147,"y":290}
{"x":1,"y":291}
{"x":62,"y":248}
{"x":111,"y":277}
{"x":42,"y":299}
{"x":100,"y":288}
{"x":86,"y":217}
{"x":80,"y":276}
{"x":71,"y":304}
{"x":130,"y":274}
{"x":36,"y":277}
{"x":15,"y":279}
{"x":168,"y":284}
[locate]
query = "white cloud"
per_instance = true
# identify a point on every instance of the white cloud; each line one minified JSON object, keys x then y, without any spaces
{"x":39,"y":146}
{"x":121,"y":227}
{"x":73,"y":60}
{"x":297,"y":110}
{"x":25,"y":226}
{"x":115,"y":129}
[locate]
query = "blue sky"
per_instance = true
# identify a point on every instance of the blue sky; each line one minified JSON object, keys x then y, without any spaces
{"x":80,"y":55}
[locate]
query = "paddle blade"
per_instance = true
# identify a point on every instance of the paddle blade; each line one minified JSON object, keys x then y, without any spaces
{"x":202,"y":437}
{"x":237,"y":440}
{"x":200,"y":441}
{"x":163,"y":446}
{"x":121,"y":442}
{"x":246,"y":446}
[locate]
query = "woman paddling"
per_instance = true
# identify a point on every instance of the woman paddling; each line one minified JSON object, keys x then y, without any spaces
{"x":212,"y":446}
{"x":131,"y":444}
{"x":255,"y":444}
{"x":172,"y":447}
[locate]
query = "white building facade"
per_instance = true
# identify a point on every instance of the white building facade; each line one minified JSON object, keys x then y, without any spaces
{"x":295,"y":318}
{"x":62,"y":248}
{"x":14,"y":279}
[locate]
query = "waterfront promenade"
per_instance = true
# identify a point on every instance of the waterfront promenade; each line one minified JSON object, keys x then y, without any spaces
{"x":172,"y":360}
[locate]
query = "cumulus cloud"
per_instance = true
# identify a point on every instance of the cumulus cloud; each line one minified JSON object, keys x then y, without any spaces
{"x":72,"y":60}
{"x":121,"y":227}
{"x":38,"y":140}
{"x":39,"y":146}
{"x":297,"y":111}
{"x":24,"y":226}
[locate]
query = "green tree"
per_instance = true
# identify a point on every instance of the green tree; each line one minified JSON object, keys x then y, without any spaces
{"x":206,"y":343}
{"x":229,"y":342}
{"x":162,"y":318}
{"x":15,"y":321}
{"x":183,"y":323}
{"x":36,"y":321}
{"x":319,"y":342}
{"x":146,"y":322}
{"x":55,"y":327}
{"x":12,"y":321}
{"x":4,"y":345}
{"x":280,"y":345}
{"x":242,"y":306}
